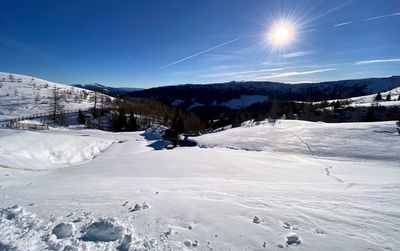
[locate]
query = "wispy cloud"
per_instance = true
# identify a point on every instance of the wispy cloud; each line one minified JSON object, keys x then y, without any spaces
{"x":295,"y":73}
{"x":226,"y":74}
{"x":367,"y":19}
{"x":199,"y":53}
{"x":376,"y":61}
{"x":298,"y":54}
{"x":342,"y":24}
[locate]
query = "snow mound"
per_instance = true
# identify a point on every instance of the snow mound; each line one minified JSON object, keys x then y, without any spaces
{"x":155,"y":132}
{"x":103,"y":230}
{"x":63,"y":230}
{"x":42,"y":150}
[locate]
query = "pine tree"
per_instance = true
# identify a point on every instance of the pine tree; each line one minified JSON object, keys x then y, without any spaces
{"x":81,"y":117}
{"x":273,"y":111}
{"x":356,"y":116}
{"x":371,"y":112}
{"x":177,"y":123}
{"x":132,"y":124}
{"x":119,"y":119}
{"x":378,"y":97}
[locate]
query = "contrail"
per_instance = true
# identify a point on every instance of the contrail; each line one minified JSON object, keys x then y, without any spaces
{"x":375,"y":61}
{"x":378,"y":17}
{"x":345,"y":23}
{"x":367,"y":19}
{"x":199,"y":53}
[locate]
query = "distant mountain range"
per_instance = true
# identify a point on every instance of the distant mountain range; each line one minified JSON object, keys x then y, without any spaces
{"x":236,"y":95}
{"x":112,"y":91}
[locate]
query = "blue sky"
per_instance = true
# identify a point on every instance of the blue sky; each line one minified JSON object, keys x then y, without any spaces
{"x":154,"y":43}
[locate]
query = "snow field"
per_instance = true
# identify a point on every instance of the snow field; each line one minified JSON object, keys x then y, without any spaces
{"x":307,"y":189}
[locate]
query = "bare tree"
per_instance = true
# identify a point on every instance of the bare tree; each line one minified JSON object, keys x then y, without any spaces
{"x":11,"y":77}
{"x":56,"y":107}
{"x":37,"y":97}
{"x":95,"y":99}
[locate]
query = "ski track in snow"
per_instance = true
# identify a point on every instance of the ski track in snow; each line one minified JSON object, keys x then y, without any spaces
{"x":23,"y":168}
{"x":328,"y":173}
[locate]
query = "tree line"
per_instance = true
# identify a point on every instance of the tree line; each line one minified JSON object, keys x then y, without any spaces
{"x":132,"y":114}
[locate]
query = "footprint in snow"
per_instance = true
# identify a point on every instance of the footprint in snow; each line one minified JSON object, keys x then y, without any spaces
{"x":289,"y":226}
{"x":256,"y":220}
{"x":63,"y":230}
{"x":103,"y":230}
{"x":320,"y":231}
{"x":293,"y":239}
{"x":190,"y":243}
{"x":138,"y":207}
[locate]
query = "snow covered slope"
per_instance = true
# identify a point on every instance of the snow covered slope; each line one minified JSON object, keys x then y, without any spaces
{"x":369,"y":99}
{"x":22,"y":95}
{"x":291,"y":185}
{"x":327,"y":140}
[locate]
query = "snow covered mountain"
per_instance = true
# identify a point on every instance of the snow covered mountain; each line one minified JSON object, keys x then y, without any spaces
{"x":112,"y":91}
{"x":235,"y":95}
{"x":288,"y":185}
{"x":22,"y":95}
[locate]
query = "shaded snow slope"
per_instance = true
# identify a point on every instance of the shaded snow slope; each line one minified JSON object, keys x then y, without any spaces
{"x":214,"y":198}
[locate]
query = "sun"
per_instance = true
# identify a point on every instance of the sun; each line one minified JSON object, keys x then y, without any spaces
{"x":281,"y":34}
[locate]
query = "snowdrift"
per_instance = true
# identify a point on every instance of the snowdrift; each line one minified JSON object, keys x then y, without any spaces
{"x":44,"y":150}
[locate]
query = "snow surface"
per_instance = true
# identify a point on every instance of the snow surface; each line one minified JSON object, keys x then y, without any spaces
{"x":312,"y":186}
{"x":244,"y":101}
{"x":177,"y":102}
{"x":194,"y":105}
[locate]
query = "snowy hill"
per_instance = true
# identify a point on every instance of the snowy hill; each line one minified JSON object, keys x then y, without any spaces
{"x":22,"y":95}
{"x":262,"y":186}
{"x":368,"y":100}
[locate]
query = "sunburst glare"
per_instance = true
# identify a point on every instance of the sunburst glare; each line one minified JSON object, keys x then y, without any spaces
{"x":281,"y":34}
